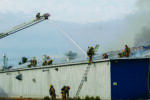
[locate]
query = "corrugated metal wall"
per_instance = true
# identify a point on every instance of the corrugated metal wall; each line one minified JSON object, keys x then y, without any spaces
{"x":129,"y":78}
{"x":36,"y":82}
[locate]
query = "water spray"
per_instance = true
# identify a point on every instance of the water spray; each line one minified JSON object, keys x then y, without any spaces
{"x":67,"y":36}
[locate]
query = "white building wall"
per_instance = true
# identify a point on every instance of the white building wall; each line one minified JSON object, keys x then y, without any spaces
{"x":36,"y":82}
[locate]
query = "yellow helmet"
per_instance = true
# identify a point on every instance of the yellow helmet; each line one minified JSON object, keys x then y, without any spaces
{"x":50,"y":86}
{"x":91,"y":46}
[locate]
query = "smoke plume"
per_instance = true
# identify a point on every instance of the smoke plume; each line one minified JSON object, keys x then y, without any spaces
{"x":143,"y":4}
{"x":142,"y":38}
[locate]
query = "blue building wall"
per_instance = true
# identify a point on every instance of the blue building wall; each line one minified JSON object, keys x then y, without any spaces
{"x":129,"y":78}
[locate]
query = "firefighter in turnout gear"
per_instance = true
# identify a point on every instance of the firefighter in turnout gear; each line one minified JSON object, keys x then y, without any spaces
{"x":52,"y":92}
{"x":90,"y":53}
{"x":126,"y":52}
{"x":105,"y":56}
{"x":38,"y":16}
{"x":44,"y":59}
{"x":33,"y":62}
{"x":65,"y":92}
{"x":50,"y":61}
{"x":120,"y":55}
{"x":44,"y":63}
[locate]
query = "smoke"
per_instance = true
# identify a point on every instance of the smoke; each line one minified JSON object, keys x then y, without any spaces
{"x":142,"y":38}
{"x":71,"y":55}
{"x":143,"y":4}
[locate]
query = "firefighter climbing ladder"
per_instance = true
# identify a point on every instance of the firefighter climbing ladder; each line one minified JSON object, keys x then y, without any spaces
{"x":82,"y":81}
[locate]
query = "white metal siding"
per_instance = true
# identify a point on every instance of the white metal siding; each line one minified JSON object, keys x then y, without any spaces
{"x":97,"y":84}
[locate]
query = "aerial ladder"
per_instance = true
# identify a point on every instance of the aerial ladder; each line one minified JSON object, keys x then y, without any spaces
{"x":22,"y":26}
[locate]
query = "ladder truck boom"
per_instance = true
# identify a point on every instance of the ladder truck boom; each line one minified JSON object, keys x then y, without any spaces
{"x":25,"y":25}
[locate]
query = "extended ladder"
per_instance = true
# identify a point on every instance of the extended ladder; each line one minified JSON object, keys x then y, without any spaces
{"x":24,"y":26}
{"x":82,"y":81}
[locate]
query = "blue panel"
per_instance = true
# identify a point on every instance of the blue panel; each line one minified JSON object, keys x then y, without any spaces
{"x":131,"y":76}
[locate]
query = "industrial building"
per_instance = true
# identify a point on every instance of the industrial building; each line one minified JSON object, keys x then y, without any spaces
{"x":108,"y":79}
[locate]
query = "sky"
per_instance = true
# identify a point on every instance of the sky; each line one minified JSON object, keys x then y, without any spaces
{"x":78,"y":11}
{"x":110,"y":23}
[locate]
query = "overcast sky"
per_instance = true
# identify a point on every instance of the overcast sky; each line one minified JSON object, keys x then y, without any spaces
{"x":79,"y":11}
{"x":110,"y":23}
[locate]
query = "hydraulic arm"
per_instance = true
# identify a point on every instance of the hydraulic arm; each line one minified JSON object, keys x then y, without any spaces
{"x":25,"y":25}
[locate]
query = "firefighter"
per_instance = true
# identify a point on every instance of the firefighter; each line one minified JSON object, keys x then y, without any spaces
{"x":50,"y":61}
{"x":105,"y":56}
{"x":52,"y":92}
{"x":65,"y":92}
{"x":120,"y":55}
{"x":90,"y":53}
{"x":44,"y":63}
{"x":126,"y":52}
{"x":38,"y":16}
{"x":34,"y":62}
